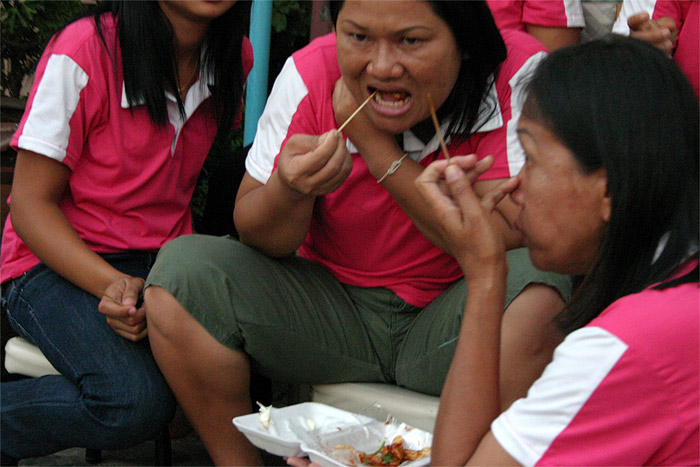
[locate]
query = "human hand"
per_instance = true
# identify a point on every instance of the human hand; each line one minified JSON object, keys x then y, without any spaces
{"x":661,"y":32}
{"x":120,"y":304}
{"x":466,"y":230}
{"x":314,"y":165}
{"x":300,"y":462}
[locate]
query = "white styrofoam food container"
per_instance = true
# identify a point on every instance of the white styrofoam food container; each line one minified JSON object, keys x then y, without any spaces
{"x":314,"y":429}
{"x":288,"y":425}
{"x":367,"y":438}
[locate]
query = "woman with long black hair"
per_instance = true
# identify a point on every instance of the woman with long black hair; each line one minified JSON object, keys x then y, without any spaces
{"x":124,"y":109}
{"x":609,"y":191}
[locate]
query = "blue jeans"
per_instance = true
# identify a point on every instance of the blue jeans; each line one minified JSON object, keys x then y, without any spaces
{"x":110,"y":393}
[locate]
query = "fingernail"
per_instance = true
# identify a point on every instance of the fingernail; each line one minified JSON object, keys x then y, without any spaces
{"x":452,"y":173}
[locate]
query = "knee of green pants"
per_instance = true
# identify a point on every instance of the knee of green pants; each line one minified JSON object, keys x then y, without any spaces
{"x":429,"y":346}
{"x":199,"y":271}
{"x":521,"y":273}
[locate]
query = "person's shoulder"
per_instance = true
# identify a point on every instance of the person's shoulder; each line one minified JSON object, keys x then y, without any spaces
{"x":82,"y":34}
{"x":318,"y":61}
{"x":524,"y":53}
{"x":683,"y":299}
{"x":322,"y":49}
{"x":247,"y":55}
{"x":656,"y":319}
{"x":520,"y":46}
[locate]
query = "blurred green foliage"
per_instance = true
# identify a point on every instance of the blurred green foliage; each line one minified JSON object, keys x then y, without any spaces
{"x":291,"y":23}
{"x":25,"y":27}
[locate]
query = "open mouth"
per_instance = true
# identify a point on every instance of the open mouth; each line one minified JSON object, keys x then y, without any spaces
{"x":390,"y":98}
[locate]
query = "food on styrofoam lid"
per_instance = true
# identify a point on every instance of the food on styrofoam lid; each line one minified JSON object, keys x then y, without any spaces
{"x":388,"y":455}
{"x":265,"y":419}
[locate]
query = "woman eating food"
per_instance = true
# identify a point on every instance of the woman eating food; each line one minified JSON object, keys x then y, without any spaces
{"x":609,"y":191}
{"x":341,"y":273}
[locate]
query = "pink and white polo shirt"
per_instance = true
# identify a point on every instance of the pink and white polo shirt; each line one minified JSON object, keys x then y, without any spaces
{"x":516,"y":14}
{"x":359,"y":232}
{"x":622,"y":390}
{"x":131,"y":181}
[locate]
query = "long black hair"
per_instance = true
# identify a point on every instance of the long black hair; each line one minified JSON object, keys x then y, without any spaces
{"x":148,"y":56}
{"x":621,"y":104}
{"x":480,"y":41}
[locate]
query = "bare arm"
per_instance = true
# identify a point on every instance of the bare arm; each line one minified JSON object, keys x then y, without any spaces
{"x":274,"y":217}
{"x":472,"y":383}
{"x":38,"y":186}
{"x":379,"y":150}
{"x":554,"y":38}
{"x":498,"y":355}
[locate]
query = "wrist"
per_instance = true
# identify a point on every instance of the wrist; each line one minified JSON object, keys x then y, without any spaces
{"x":489,"y":276}
{"x":288,"y":192}
{"x":393,"y":167}
{"x":380,"y":153}
{"x":379,"y":162}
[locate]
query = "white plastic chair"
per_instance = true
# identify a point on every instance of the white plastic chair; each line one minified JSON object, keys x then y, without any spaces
{"x":410,"y":407}
{"x":25,"y":358}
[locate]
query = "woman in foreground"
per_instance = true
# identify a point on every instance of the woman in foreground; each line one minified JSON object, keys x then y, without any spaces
{"x":609,"y":191}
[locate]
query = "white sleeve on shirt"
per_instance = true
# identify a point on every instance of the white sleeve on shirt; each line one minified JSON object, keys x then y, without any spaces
{"x":574,"y":14}
{"x":47,"y":128}
{"x":518,"y":86}
{"x":580,"y":364}
{"x":286,"y":95}
{"x":631,"y":8}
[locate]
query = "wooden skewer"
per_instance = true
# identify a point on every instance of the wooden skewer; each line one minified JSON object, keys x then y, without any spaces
{"x":437,"y":128}
{"x":356,"y":111}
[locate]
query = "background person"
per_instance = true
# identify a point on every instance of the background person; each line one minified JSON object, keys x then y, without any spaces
{"x":555,"y":24}
{"x":671,"y":25}
{"x":609,"y":190}
{"x":123,"y":111}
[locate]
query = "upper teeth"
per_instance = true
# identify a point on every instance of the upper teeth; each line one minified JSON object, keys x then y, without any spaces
{"x":399,"y":96}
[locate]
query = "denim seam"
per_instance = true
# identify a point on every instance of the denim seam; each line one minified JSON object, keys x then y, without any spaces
{"x":40,"y":329}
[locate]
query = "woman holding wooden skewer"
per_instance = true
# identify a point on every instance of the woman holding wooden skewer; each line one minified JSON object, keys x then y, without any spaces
{"x":609,"y":191}
{"x":368,"y":297}
{"x":124,"y":109}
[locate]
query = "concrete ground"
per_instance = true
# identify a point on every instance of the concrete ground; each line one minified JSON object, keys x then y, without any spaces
{"x":187,"y":450}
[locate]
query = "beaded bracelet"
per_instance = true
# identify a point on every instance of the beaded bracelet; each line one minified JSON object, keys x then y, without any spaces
{"x":393,"y":168}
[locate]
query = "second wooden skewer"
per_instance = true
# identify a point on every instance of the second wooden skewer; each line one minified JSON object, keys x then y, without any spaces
{"x":437,"y":128}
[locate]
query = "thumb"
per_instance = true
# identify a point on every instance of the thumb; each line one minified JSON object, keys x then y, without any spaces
{"x":637,"y":21}
{"x":299,"y":143}
{"x":459,"y":185}
{"x":132,"y":291}
{"x":493,"y":197}
{"x":329,"y":140}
